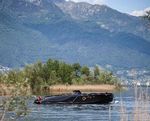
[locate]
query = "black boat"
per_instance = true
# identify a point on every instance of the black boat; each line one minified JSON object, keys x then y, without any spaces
{"x":77,"y":98}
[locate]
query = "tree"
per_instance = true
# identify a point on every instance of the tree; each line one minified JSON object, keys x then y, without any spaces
{"x":65,"y":73}
{"x":96,"y":71}
{"x":85,"y":71}
{"x":34,"y":74}
{"x":147,"y":15}
{"x":76,"y":68}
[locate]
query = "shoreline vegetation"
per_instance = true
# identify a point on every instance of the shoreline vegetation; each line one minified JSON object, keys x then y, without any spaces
{"x":83,"y":88}
{"x":8,"y":90}
{"x":56,"y":76}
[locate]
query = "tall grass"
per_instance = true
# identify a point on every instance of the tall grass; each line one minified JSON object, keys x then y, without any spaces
{"x":141,"y":106}
{"x":141,"y":110}
{"x":84,"y":88}
{"x":15,"y":102}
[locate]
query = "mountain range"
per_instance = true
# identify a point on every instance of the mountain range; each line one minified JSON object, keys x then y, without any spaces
{"x":32,"y":30}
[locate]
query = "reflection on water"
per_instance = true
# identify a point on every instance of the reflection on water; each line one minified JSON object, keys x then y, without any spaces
{"x":89,"y":112}
{"x":69,"y":112}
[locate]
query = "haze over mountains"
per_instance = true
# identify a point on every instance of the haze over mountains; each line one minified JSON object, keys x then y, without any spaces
{"x":32,"y":30}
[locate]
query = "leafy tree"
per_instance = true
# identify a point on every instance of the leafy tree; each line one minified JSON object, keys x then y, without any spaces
{"x":147,"y":15}
{"x":39,"y":75}
{"x":53,"y":64}
{"x":1,"y":77}
{"x":96,"y":71}
{"x":56,"y":65}
{"x":15,"y":76}
{"x":77,"y":69}
{"x":34,"y":75}
{"x":85,"y":71}
{"x":65,"y":73}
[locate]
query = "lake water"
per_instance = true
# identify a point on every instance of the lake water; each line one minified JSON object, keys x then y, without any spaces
{"x":90,"y":112}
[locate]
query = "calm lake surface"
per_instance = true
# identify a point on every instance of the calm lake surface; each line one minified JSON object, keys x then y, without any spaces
{"x":90,"y":112}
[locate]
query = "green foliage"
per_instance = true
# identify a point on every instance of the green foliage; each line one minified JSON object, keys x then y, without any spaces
{"x":1,"y":77}
{"x":33,"y":74}
{"x":96,"y":71}
{"x":85,"y":71}
{"x":15,"y":103}
{"x":147,"y":15}
{"x":40,"y":75}
{"x":65,"y":73}
{"x":77,"y":69}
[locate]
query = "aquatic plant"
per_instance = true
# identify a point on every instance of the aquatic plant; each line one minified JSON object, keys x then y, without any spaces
{"x":141,"y":106}
{"x":16,"y":103}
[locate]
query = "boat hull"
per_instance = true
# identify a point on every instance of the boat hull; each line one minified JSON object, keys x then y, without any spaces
{"x":92,"y":98}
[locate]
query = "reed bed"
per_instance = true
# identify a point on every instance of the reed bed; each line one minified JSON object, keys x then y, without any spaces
{"x":141,"y":107}
{"x":11,"y":89}
{"x":142,"y":104}
{"x":7,"y":89}
{"x":83,"y":88}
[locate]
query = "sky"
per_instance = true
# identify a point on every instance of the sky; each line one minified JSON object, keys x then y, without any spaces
{"x":134,"y":7}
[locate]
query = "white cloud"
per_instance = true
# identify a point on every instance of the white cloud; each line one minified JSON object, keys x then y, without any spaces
{"x":90,"y":1}
{"x":140,"y":12}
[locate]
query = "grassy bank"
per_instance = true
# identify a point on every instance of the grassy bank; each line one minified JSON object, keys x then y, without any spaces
{"x":10,"y":89}
{"x":83,"y":88}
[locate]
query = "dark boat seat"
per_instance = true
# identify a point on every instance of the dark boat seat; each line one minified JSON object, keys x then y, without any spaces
{"x":77,"y":92}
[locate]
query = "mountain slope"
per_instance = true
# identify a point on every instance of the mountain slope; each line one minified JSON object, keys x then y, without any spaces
{"x":32,"y":30}
{"x":106,"y":17}
{"x":20,"y":45}
{"x":79,"y":42}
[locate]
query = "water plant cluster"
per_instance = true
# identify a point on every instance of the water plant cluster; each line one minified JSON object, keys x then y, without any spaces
{"x":41,"y":75}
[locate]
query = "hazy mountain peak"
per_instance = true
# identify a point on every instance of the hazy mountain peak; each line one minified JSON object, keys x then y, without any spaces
{"x":83,"y":10}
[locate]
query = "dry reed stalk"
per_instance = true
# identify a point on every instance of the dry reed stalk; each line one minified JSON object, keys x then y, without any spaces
{"x":6,"y":89}
{"x":141,"y":104}
{"x":141,"y":111}
{"x":141,"y":107}
{"x":124,"y":116}
{"x":10,"y":89}
{"x":84,"y":88}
